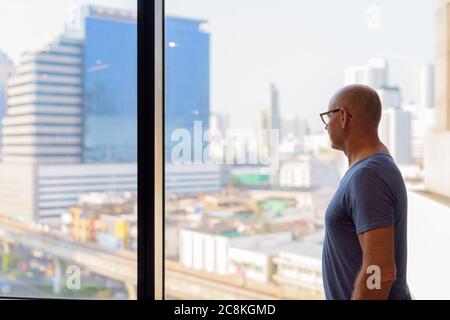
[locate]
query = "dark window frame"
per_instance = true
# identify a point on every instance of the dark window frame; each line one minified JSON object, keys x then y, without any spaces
{"x":150,"y":256}
{"x":150,"y":126}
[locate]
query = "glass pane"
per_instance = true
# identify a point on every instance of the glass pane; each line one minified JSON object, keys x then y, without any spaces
{"x":250,"y":169}
{"x":68,"y":175}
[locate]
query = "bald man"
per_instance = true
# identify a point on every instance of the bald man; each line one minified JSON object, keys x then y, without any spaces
{"x":364,"y":251}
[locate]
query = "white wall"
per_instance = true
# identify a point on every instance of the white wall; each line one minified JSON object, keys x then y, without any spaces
{"x":428,"y":248}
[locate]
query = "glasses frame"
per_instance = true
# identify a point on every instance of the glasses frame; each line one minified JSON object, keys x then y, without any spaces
{"x":323,"y":114}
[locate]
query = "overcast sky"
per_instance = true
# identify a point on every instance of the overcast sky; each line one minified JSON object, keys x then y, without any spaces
{"x":302,"y":46}
{"x":27,"y":24}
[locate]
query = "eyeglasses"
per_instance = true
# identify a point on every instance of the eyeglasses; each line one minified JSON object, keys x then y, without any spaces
{"x":325,"y":116}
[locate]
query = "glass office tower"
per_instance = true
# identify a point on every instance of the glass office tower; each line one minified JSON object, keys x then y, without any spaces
{"x":187,"y":66}
{"x":110,"y":86}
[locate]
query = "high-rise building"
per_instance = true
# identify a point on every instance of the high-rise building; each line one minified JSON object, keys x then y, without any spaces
{"x":390,"y":97}
{"x":308,"y":171}
{"x":273,"y":108}
{"x":70,"y":123}
{"x":295,"y":127}
{"x":43,"y":120}
{"x":218,"y":126}
{"x":374,"y":73}
{"x":395,"y":125}
{"x":74,"y":100}
{"x":395,"y":132}
{"x":422,"y":124}
{"x":109,"y":39}
{"x":269,"y":120}
{"x":423,"y":85}
{"x":6,"y":69}
{"x":187,"y":74}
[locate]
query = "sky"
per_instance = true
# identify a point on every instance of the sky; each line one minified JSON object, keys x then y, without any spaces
{"x":27,"y":24}
{"x":303,"y":46}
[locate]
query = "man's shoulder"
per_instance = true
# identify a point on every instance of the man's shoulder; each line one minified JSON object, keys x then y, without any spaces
{"x":381,"y":165}
{"x":381,"y":173}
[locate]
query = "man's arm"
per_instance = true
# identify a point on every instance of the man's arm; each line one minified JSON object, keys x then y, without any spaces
{"x":378,"y":246}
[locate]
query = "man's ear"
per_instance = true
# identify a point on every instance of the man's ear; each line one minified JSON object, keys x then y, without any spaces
{"x":342,"y":119}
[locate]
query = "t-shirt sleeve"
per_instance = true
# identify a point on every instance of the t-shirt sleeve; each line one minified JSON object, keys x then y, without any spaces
{"x":370,"y":201}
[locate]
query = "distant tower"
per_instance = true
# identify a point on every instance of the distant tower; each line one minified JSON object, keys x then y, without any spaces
{"x":273,"y":115}
{"x":269,"y":119}
{"x":424,"y":85}
{"x":273,"y":108}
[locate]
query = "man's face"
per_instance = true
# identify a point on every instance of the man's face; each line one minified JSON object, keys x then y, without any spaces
{"x":333,"y":126}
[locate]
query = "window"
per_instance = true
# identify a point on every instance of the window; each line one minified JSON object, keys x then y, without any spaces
{"x":244,"y":84}
{"x":68,"y":169}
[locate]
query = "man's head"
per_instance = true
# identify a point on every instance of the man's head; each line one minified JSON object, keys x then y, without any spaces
{"x":357,"y":115}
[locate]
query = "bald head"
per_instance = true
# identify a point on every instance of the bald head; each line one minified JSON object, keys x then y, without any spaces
{"x":361,"y":101}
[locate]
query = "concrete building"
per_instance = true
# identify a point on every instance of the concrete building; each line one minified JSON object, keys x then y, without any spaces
{"x":423,"y":122}
{"x":208,"y":249}
{"x":191,"y":179}
{"x":43,"y":120}
{"x":423,"y":86}
{"x":254,"y":260}
{"x":308,"y":171}
{"x":311,"y":202}
{"x":390,"y":97}
{"x":299,"y":270}
{"x":41,"y":193}
{"x":316,"y":142}
{"x":374,"y":73}
{"x":294,"y":127}
{"x":395,"y":132}
{"x":218,"y":126}
{"x":269,"y":120}
{"x":59,"y":142}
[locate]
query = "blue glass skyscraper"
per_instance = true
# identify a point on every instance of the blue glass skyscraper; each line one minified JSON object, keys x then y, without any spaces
{"x":187,"y":66}
{"x":110,"y":87}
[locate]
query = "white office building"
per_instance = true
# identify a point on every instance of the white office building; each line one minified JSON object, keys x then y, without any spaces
{"x":390,"y":97}
{"x":299,"y":270}
{"x":43,"y":121}
{"x":208,"y":249}
{"x":191,"y":179}
{"x":374,"y":73}
{"x":395,"y":132}
{"x":30,"y":192}
{"x":423,"y":122}
{"x":316,"y":142}
{"x":423,"y":85}
{"x":308,"y":171}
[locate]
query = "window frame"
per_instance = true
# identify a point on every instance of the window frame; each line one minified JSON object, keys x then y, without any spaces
{"x":150,"y":256}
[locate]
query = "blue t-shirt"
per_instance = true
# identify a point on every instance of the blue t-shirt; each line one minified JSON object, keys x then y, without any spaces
{"x":371,"y":195}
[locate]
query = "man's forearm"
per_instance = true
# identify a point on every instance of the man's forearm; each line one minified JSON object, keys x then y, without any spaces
{"x":361,"y":290}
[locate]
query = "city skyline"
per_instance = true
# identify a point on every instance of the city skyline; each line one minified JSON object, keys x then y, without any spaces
{"x":286,"y":44}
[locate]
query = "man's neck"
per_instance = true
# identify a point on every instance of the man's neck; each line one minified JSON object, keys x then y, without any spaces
{"x":363,"y":150}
